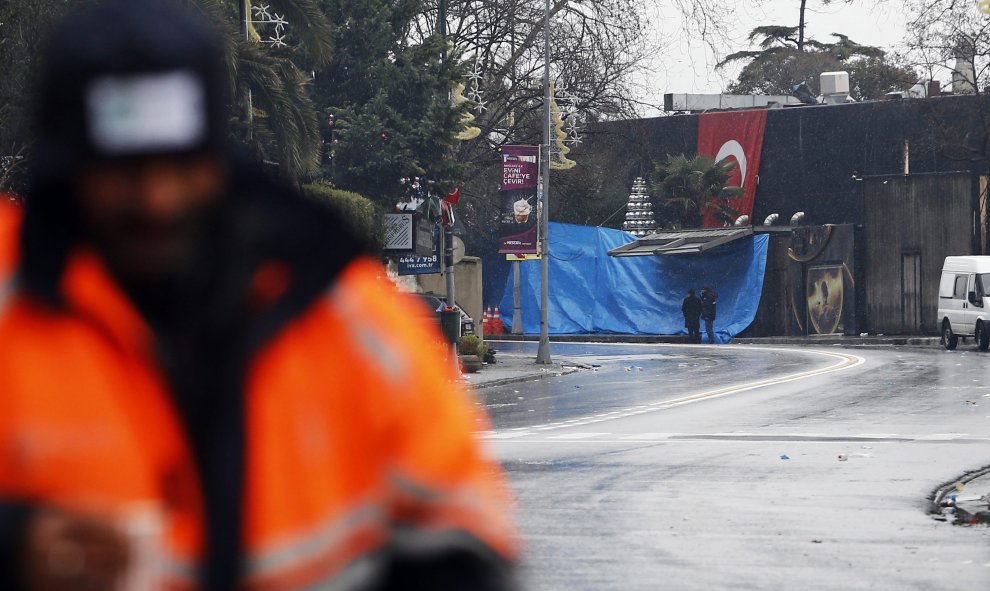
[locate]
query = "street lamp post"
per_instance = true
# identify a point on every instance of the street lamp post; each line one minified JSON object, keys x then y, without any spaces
{"x":543,"y":353}
{"x":448,"y":232}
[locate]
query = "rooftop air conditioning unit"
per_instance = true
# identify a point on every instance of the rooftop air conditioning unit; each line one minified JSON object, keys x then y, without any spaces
{"x":835,"y":87}
{"x":834,"y":83}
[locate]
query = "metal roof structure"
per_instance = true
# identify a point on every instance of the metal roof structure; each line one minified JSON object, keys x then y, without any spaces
{"x":681,"y":241}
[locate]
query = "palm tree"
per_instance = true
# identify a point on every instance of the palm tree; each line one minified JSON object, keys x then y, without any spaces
{"x":266,"y":81}
{"x":689,"y":187}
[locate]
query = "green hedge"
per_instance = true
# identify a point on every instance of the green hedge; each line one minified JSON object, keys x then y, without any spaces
{"x":361,"y":212}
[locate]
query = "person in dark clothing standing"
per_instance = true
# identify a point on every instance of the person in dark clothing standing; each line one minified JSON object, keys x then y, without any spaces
{"x":691,"y":308}
{"x":708,"y":299}
{"x":207,"y":381}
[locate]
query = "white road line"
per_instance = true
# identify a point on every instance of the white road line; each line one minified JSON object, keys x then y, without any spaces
{"x":598,"y":437}
{"x":578,"y":436}
{"x":648,"y":436}
{"x":846,"y":361}
{"x":941,"y":437}
{"x":506,"y":435}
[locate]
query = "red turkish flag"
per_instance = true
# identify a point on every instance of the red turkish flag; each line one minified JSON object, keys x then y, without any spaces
{"x":736,"y":135}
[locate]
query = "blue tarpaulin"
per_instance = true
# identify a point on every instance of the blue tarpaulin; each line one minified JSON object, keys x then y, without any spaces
{"x":591,"y":292}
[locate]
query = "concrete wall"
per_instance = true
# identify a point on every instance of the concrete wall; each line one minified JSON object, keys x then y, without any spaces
{"x":467,"y":287}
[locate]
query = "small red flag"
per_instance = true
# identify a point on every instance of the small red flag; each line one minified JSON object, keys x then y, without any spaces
{"x":454,"y":197}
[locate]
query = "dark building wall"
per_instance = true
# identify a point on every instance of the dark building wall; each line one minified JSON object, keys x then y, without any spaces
{"x":773,"y":315}
{"x":640,"y":143}
{"x":811,"y":154}
{"x":813,"y":159}
{"x":910,"y":225}
{"x":798,"y":262}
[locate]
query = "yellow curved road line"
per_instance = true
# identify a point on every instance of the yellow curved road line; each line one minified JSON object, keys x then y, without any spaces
{"x":846,"y":361}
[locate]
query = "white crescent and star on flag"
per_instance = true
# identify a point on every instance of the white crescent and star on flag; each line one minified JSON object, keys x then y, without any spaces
{"x":734,"y":149}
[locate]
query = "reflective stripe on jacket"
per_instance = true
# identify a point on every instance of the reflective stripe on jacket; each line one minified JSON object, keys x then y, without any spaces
{"x":359,"y":442}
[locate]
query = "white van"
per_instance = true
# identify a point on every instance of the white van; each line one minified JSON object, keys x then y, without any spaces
{"x":963,"y":302}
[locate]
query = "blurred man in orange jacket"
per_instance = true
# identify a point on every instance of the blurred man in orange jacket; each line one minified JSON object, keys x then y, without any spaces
{"x":204,"y":381}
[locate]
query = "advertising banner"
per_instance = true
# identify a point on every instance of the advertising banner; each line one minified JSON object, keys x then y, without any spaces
{"x":736,"y":135}
{"x":419,"y":265}
{"x":518,"y":220}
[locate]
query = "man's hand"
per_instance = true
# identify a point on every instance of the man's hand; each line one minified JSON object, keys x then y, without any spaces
{"x":70,"y":552}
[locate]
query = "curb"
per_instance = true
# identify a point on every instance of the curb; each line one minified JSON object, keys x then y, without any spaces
{"x":845,"y":342}
{"x":566,"y":367}
{"x":594,"y":338}
{"x":962,"y":516}
{"x":841,"y":341}
{"x":523,"y":378}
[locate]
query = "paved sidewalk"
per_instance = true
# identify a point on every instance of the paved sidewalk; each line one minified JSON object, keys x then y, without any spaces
{"x":513,"y":367}
{"x":814,"y":340}
{"x":845,"y":341}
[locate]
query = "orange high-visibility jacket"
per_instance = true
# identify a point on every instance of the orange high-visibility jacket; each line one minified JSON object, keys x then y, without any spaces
{"x":358,"y":442}
{"x":10,"y":220}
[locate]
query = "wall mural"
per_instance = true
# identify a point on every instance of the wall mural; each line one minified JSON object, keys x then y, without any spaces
{"x":823,"y":290}
{"x":821,"y":281}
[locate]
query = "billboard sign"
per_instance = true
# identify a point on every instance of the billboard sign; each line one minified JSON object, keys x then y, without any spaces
{"x":420,"y":265}
{"x":408,"y":233}
{"x":518,"y":219}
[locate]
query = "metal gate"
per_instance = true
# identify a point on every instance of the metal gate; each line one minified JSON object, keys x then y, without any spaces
{"x":911,"y":320}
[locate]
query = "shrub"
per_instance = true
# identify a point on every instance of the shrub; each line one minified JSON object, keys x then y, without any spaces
{"x":471,"y":344}
{"x":359,"y":211}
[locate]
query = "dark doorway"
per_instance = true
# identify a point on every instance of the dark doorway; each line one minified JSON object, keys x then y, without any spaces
{"x":911,"y":321}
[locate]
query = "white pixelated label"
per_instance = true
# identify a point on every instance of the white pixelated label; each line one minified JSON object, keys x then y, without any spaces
{"x":146,"y":113}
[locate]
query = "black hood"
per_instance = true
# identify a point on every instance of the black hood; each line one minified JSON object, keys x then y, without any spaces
{"x":117,"y":40}
{"x":123,"y":40}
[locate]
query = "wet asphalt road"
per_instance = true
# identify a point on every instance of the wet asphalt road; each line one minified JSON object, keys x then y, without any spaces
{"x":655,"y":472}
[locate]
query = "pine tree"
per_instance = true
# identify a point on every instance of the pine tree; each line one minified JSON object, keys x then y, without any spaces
{"x":385,"y":103}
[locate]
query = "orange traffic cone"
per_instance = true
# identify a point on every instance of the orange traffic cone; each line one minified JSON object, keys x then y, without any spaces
{"x":497,"y":327}
{"x":485,"y":324}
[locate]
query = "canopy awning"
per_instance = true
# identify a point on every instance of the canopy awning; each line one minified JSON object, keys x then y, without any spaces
{"x":681,"y":241}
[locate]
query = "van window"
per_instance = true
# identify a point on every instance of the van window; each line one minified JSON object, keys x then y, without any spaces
{"x":960,"y":291}
{"x":982,"y":283}
{"x":946,"y":285}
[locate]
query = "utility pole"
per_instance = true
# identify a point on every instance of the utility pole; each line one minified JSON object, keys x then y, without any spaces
{"x":448,"y":233}
{"x":517,"y":320}
{"x":543,"y":353}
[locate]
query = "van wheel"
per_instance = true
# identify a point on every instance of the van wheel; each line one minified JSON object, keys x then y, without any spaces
{"x":982,"y":336}
{"x":949,"y":339}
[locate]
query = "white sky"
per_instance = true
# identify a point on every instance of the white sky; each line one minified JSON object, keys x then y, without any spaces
{"x":688,"y":65}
